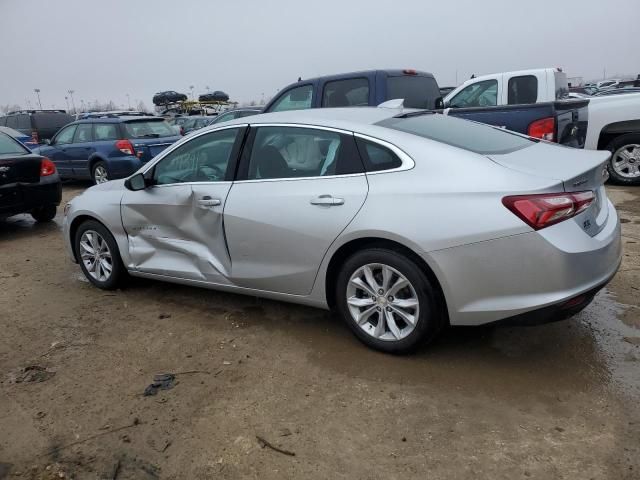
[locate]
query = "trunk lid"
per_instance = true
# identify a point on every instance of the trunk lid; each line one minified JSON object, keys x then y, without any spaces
{"x":578,"y":170}
{"x":19,"y":169}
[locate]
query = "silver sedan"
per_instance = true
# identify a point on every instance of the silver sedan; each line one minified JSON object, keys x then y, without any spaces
{"x":401,"y":221}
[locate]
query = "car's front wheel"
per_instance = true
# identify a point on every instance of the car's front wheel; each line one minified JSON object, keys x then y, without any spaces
{"x":624,"y":166}
{"x":98,"y":255}
{"x":387,"y":301}
{"x":100,"y":174}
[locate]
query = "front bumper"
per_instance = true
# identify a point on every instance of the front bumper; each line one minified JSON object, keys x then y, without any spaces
{"x":508,"y":277}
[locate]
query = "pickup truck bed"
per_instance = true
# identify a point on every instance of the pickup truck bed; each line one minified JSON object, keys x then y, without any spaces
{"x":562,"y":121}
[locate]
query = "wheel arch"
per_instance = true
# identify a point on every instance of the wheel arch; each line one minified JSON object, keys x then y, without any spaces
{"x":613,"y":130}
{"x":358,"y":244}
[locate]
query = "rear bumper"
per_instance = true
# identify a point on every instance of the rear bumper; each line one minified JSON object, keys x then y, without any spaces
{"x":25,"y":197}
{"x":522,"y":274}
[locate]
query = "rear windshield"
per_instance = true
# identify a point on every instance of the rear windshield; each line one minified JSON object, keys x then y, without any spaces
{"x":51,"y":120}
{"x":417,"y":91}
{"x":9,"y":146}
{"x":471,"y":136}
{"x":148,"y":129}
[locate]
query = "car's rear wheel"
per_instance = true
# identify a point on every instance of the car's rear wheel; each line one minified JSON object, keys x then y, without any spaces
{"x":387,"y":301}
{"x":44,"y":214}
{"x":624,"y":166}
{"x":98,"y":255}
{"x":100,"y":174}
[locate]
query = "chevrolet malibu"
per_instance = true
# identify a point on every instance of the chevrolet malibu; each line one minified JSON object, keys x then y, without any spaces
{"x":402,"y":221}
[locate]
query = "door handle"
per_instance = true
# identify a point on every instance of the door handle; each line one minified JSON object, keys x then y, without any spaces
{"x":327,"y":200}
{"x":209,"y":202}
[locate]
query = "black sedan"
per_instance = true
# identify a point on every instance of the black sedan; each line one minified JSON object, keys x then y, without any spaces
{"x":29,"y":183}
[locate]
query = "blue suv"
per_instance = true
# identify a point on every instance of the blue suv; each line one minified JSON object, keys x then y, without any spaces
{"x":105,"y":148}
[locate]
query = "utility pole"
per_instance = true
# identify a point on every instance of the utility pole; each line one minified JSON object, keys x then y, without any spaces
{"x":71,"y":92}
{"x":37,"y":90}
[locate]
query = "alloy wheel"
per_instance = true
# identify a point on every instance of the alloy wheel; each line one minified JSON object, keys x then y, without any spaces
{"x":100,"y":174}
{"x":96,"y":255}
{"x":626,"y":161}
{"x":382,"y":302}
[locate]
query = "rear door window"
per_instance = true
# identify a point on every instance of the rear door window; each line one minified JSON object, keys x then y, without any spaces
{"x":298,"y":98}
{"x":105,"y":131}
{"x":24,"y":121}
{"x":83,"y":133}
{"x":522,"y":90}
{"x":480,"y":94}
{"x":353,"y":92}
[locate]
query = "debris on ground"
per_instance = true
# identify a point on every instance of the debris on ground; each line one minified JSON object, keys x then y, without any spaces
{"x":31,"y":374}
{"x":265,"y":443}
{"x":161,"y":381}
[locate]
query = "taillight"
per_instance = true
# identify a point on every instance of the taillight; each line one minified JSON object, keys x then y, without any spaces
{"x":544,"y":129}
{"x":47,"y":167}
{"x":125,"y":146}
{"x":542,"y":210}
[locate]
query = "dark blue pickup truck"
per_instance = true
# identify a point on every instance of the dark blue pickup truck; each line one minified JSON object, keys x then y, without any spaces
{"x":562,"y":121}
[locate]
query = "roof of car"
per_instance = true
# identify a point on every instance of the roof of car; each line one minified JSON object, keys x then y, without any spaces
{"x":115,"y":119}
{"x":360,"y":119}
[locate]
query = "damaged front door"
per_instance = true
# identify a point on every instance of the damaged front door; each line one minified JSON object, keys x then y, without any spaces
{"x":175,"y":226}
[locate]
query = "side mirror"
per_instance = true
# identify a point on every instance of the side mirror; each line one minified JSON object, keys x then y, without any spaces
{"x":439,"y":103}
{"x":135,"y":183}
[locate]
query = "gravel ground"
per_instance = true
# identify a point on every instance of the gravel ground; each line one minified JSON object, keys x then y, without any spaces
{"x":554,"y":401}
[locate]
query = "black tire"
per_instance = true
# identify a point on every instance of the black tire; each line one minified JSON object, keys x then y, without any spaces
{"x":118,"y":272}
{"x":44,"y":214}
{"x":430,"y":318}
{"x":615,"y":145}
{"x":99,"y":164}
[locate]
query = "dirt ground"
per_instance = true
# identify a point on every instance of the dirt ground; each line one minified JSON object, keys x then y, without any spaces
{"x":556,"y":401}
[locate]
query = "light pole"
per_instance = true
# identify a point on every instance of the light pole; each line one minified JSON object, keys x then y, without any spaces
{"x":129,"y":101}
{"x":73,"y":104}
{"x":37,"y":90}
{"x":191,"y":87}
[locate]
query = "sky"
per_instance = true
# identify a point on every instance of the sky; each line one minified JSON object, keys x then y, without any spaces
{"x":104,"y":50}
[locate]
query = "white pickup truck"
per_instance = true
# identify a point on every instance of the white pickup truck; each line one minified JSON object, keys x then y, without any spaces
{"x":613,"y":121}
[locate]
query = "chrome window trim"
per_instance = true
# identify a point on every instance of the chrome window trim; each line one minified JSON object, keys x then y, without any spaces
{"x":407,"y":161}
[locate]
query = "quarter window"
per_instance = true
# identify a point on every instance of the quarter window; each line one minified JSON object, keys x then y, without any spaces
{"x":480,"y":94}
{"x":377,"y":157}
{"x":522,"y":90}
{"x":66,"y":135}
{"x":106,"y":131}
{"x":298,"y":98}
{"x":83,"y":133}
{"x":290,"y":152}
{"x":346,"y":93}
{"x":205,"y":158}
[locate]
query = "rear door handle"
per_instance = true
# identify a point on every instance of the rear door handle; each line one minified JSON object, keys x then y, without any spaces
{"x":209,"y":202}
{"x":327,"y":200}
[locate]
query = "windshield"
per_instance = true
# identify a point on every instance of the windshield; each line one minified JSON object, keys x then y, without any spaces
{"x":471,"y":136}
{"x":417,"y":91}
{"x":9,"y":146}
{"x":148,"y":129}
